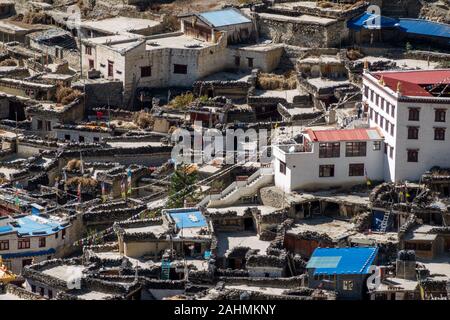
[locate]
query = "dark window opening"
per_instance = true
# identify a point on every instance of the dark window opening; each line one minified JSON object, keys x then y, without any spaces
{"x":23,"y":243}
{"x":81,"y":139}
{"x":413,"y":155}
{"x":146,"y":72}
{"x":282,"y":167}
{"x":237,"y":61}
{"x":439,"y":115}
{"x":355,"y":149}
{"x":413,"y":114}
{"x":439,"y":133}
{"x":356,"y":169}
{"x":4,"y":245}
{"x":180,"y":68}
{"x":250,"y":62}
{"x":330,"y":150}
{"x":42,"y":242}
{"x":413,"y":133}
{"x":110,"y":68}
{"x":326,"y":170}
{"x":67,"y":137}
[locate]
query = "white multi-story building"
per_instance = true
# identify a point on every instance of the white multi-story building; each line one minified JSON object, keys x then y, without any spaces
{"x":30,"y":239}
{"x":411,"y":109}
{"x":327,"y":158}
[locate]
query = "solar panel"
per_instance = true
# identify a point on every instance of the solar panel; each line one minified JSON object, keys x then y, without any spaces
{"x":323,"y":262}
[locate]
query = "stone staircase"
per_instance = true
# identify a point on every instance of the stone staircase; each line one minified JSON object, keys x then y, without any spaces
{"x":238,"y":189}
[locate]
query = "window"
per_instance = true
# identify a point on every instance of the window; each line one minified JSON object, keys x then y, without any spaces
{"x":4,"y":245}
{"x":282,"y":167}
{"x":27,"y":262}
{"x":355,"y":149}
{"x":56,"y":235}
{"x":392,"y":129}
{"x":146,"y":72}
{"x":371,"y":113}
{"x":81,"y":139}
{"x":41,"y":242}
{"x":96,"y":139}
{"x":391,"y":152}
{"x":376,"y":117}
{"x":439,"y":133}
{"x":50,"y":294}
{"x":237,"y":61}
{"x":392,"y":111}
{"x":88,"y":50}
{"x":67,"y":137}
{"x":326,"y":170}
{"x":23,"y":243}
{"x":366,"y":91}
{"x":110,"y":68}
{"x":381,"y":122}
{"x":413,"y":155}
{"x":180,"y":68}
{"x":439,"y":115}
{"x":91,"y":64}
{"x":39,"y":124}
{"x":385,"y":148}
{"x":376,"y":145}
{"x":387,"y":106}
{"x":250,"y":62}
{"x":347,"y":285}
{"x":413,"y":114}
{"x":386,"y":125}
{"x":42,"y":291}
{"x":356,"y":169}
{"x":63,"y":233}
{"x":330,"y":150}
{"x":413,"y":133}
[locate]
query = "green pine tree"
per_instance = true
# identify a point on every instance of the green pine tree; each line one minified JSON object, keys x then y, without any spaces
{"x":182,"y":186}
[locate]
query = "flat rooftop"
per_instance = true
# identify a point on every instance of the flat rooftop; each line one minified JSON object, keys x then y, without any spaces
{"x":120,"y":24}
{"x":335,"y":229}
{"x":63,"y":272}
{"x":229,"y":240}
{"x":303,"y":19}
{"x":177,"y":42}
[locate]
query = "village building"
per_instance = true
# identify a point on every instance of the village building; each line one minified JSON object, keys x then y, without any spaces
{"x":409,"y":108}
{"x":28,"y":239}
{"x":344,"y":270}
{"x":326,"y":158}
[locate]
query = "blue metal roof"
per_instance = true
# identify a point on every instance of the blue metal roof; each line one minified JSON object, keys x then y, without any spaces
{"x":331,"y":261}
{"x":415,"y":26}
{"x":225,"y":17}
{"x":188,"y":218}
{"x":28,"y":254}
{"x":33,"y":226}
{"x":368,"y":20}
{"x":425,"y":27}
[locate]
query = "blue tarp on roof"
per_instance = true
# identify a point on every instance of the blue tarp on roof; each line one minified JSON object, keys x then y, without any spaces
{"x":342,"y":260}
{"x":225,"y":17}
{"x":425,"y":27}
{"x":407,"y":25}
{"x":5,"y":229}
{"x":188,"y":219}
{"x":33,"y":226}
{"x":28,"y":254}
{"x":369,"y":19}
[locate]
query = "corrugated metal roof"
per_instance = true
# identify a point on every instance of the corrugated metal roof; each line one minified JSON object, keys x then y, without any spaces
{"x":415,"y":26}
{"x":413,"y":82}
{"x":225,"y":17}
{"x":331,"y":261}
{"x":424,"y":27}
{"x":344,"y":135}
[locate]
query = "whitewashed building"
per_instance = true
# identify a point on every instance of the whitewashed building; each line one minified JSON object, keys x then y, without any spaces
{"x":411,"y":109}
{"x":329,"y":158}
{"x":31,"y":239}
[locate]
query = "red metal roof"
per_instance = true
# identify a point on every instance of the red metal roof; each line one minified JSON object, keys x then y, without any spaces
{"x":412,"y":82}
{"x":344,"y":135}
